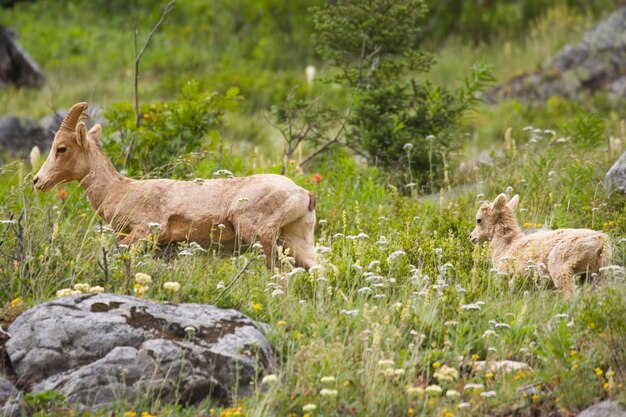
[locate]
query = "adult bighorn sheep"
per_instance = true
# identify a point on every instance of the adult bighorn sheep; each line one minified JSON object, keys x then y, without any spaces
{"x":264,"y":207}
{"x":564,"y":252}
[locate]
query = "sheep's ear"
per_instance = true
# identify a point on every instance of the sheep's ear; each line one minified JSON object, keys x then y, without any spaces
{"x":512,"y":204}
{"x":499,"y":202}
{"x":94,"y":132}
{"x":81,"y":134}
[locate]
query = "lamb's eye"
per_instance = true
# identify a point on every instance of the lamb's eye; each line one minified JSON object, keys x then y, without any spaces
{"x":61,"y":149}
{"x":478,"y":221}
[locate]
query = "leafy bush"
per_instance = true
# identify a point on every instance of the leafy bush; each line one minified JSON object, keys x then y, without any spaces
{"x":168,"y":130}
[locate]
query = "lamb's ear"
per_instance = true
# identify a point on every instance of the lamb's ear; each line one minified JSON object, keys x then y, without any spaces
{"x":499,"y":202}
{"x":512,"y":204}
{"x":94,"y":132}
{"x":81,"y":134}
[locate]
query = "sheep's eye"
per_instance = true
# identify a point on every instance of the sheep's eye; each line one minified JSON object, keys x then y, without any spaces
{"x":478,"y":221}
{"x":61,"y":149}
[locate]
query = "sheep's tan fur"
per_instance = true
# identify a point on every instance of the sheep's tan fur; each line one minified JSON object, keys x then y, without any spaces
{"x":266,"y":208}
{"x":564,"y":252}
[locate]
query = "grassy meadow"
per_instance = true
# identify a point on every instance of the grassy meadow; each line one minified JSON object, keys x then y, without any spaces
{"x":402,"y":305}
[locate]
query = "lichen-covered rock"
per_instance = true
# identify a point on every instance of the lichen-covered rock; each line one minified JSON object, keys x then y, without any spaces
{"x":604,"y":409}
{"x":597,"y":63}
{"x":98,"y":348}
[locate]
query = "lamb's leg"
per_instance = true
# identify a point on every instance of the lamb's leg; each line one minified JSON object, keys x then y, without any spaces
{"x":135,"y":235}
{"x":563,"y":278}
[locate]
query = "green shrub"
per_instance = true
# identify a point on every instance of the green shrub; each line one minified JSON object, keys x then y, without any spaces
{"x":169,"y":131}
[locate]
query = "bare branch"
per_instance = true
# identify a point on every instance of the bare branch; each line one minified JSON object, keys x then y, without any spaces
{"x":168,"y":8}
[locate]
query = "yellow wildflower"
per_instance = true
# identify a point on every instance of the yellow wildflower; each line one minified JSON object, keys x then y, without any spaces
{"x":281,"y":323}
{"x":130,"y":414}
{"x":535,"y":398}
{"x":599,"y":371}
{"x":256,"y":307}
{"x":16,"y":302}
{"x":436,"y":365}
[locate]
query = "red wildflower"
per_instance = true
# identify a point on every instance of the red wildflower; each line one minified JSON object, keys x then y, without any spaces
{"x":317,"y":178}
{"x":62,"y":194}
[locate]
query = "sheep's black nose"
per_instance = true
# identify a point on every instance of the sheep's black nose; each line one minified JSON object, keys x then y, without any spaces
{"x":35,"y":180}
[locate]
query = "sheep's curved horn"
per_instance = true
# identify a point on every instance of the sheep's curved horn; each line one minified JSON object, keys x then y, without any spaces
{"x":73,"y":115}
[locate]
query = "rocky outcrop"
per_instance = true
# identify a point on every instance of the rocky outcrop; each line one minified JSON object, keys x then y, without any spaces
{"x":616,"y":177}
{"x":16,"y":67}
{"x":597,"y":63}
{"x":97,"y":349}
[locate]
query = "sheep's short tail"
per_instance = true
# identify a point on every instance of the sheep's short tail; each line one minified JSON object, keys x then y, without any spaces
{"x":604,"y":253}
{"x":312,"y":201}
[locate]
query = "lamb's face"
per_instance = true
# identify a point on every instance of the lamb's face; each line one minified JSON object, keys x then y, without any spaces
{"x":485,"y":220}
{"x":489,"y":214}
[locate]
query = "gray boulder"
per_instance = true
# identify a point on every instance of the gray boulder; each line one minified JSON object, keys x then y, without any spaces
{"x":604,"y":409}
{"x":616,"y":177}
{"x":19,"y":135}
{"x":97,"y":349}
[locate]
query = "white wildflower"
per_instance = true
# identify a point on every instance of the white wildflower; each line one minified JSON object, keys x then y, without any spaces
{"x":468,"y":307}
{"x":490,"y":333}
{"x":64,"y":292}
{"x":452,"y":394}
{"x":81,"y":287}
{"x":308,"y":408}
{"x":488,"y":394}
{"x":408,"y":146}
{"x":468,"y":387}
{"x":269,"y":379}
{"x":97,"y":289}
{"x":309,"y":72}
{"x":325,"y":392}
{"x":35,"y":155}
{"x":415,"y":391}
{"x":223,"y":173}
{"x":171,"y":286}
{"x":394,"y":255}
{"x":351,"y":313}
{"x":143,"y":279}
{"x":433,"y":390}
{"x":277,"y":292}
{"x":386,"y":363}
{"x":327,"y":379}
{"x":154,"y":227}
{"x":446,"y":374}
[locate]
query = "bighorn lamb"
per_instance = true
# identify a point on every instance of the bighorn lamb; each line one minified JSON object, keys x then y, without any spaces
{"x":564,"y":252}
{"x":263,"y":207}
